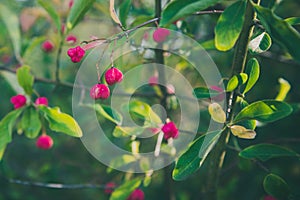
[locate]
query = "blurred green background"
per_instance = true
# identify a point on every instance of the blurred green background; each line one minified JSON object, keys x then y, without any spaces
{"x":68,"y":162}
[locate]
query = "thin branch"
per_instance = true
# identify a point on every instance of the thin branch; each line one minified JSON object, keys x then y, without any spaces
{"x":57,"y":185}
{"x":57,"y":70}
{"x":204,"y":12}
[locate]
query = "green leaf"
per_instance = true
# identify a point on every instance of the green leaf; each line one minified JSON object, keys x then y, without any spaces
{"x":178,"y":9}
{"x":123,"y":191}
{"x":252,"y":70}
{"x":293,"y":21}
{"x":61,"y":122}
{"x":120,"y":131}
{"x":2,"y":150}
{"x":204,"y":93}
{"x":236,"y":81}
{"x":265,"y":152}
{"x":107,"y":112}
{"x":275,"y":186}
{"x":248,"y":124}
{"x":123,"y":11}
{"x":52,"y":12}
{"x":30,"y":122}
{"x":25,"y":79}
{"x":6,"y":126}
{"x":144,"y":110}
{"x":280,"y":31}
{"x":229,"y":26}
{"x":260,"y":43}
{"x":121,"y":161}
{"x":193,"y":158}
{"x":12,"y":24}
{"x":284,"y":89}
{"x":78,"y":10}
{"x":29,"y":51}
{"x":264,"y":111}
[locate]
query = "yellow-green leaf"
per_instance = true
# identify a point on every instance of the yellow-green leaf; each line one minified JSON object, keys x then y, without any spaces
{"x":123,"y":191}
{"x":25,"y":79}
{"x":284,"y":89}
{"x":260,"y":43}
{"x":217,"y":113}
{"x":236,"y":81}
{"x":252,"y":70}
{"x":30,"y":122}
{"x":61,"y":122}
{"x":52,"y":12}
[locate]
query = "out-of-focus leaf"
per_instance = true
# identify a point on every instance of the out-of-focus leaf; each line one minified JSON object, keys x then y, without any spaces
{"x":252,"y":70}
{"x":217,"y":113}
{"x":120,"y":131}
{"x":178,"y":9}
{"x":61,"y":122}
{"x":260,"y":43}
{"x":204,"y":93}
{"x":265,"y":152}
{"x":33,"y":44}
{"x":293,"y":21}
{"x":229,"y":26}
{"x":276,"y":187}
{"x":2,"y":152}
{"x":52,"y":12}
{"x":236,"y":81}
{"x":12,"y":24}
{"x":107,"y":112}
{"x":191,"y":160}
{"x":30,"y":122}
{"x":242,"y":132}
{"x":123,"y":11}
{"x":123,"y":191}
{"x":113,"y":13}
{"x":78,"y":10}
{"x":25,"y":79}
{"x":264,"y":111}
{"x":284,"y":89}
{"x":280,"y":31}
{"x":6,"y":126}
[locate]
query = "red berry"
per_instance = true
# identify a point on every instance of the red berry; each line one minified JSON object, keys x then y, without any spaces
{"x":160,"y":35}
{"x":71,"y":39}
{"x":99,"y":91}
{"x":47,"y":46}
{"x":137,"y":194}
{"x":71,"y":2}
{"x":153,"y":80}
{"x":76,"y":54}
{"x":18,"y":101}
{"x":41,"y":101}
{"x":170,"y":130}
{"x":44,"y":142}
{"x":109,"y":187}
{"x":113,"y":75}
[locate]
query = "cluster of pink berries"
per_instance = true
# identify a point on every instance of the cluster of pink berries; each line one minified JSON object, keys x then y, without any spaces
{"x":101,"y":91}
{"x":170,"y":130}
{"x":44,"y":141}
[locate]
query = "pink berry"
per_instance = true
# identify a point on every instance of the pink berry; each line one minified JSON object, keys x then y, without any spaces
{"x":44,"y":142}
{"x":160,"y":35}
{"x":71,"y":2}
{"x":71,"y":39}
{"x":269,"y":198}
{"x":113,"y":75}
{"x":219,"y":97}
{"x":170,"y":130}
{"x":41,"y":101}
{"x":47,"y":46}
{"x":109,"y":187}
{"x":99,"y":91}
{"x":137,"y":194}
{"x":18,"y":101}
{"x":76,"y":54}
{"x":153,"y":80}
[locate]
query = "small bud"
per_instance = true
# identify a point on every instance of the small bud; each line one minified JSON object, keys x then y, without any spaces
{"x":44,"y":142}
{"x":71,"y":39}
{"x":109,"y":187}
{"x":76,"y":54}
{"x":160,"y":35}
{"x":18,"y":101}
{"x":47,"y":46}
{"x":170,"y":130}
{"x":41,"y":101}
{"x":99,"y":91}
{"x":137,"y":194}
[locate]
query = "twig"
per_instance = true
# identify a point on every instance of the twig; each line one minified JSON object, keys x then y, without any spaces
{"x":204,"y":12}
{"x":56,"y":185}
